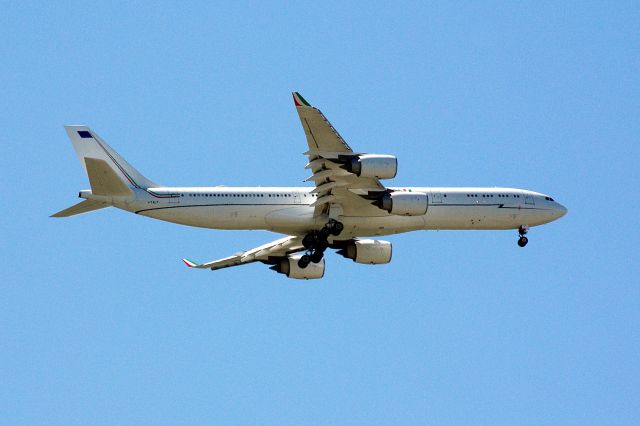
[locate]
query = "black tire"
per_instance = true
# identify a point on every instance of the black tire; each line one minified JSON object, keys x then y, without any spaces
{"x":316,"y":257}
{"x":522,"y":241}
{"x":324,"y":233}
{"x":304,"y":261}
{"x":310,"y":240}
{"x":337,"y":228}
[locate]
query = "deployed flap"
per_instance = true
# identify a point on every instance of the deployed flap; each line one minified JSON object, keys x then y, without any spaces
{"x":275,"y":249}
{"x":103,"y":179}
{"x":82,"y":207}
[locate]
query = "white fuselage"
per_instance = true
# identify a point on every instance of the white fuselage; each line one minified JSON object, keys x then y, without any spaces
{"x":289,"y":210}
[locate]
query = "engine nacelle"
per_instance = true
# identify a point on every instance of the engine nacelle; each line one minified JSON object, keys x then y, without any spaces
{"x":289,"y":267}
{"x":373,"y":252}
{"x":404,"y":203}
{"x":374,"y":166}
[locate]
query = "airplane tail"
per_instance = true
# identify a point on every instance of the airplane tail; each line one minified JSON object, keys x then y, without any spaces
{"x":89,"y":145}
{"x":109,"y":174}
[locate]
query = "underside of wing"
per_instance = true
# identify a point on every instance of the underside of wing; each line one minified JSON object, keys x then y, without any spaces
{"x":335,"y":185}
{"x":331,"y":161}
{"x":289,"y":256}
{"x":282,"y":254}
{"x":267,"y":253}
{"x":321,"y":135}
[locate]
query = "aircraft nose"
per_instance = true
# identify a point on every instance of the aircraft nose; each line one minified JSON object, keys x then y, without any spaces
{"x":560,"y":210}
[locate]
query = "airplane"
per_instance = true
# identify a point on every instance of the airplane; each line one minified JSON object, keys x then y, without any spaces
{"x":346,"y":210}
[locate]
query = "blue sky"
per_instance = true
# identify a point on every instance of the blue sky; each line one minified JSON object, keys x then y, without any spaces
{"x":100,"y":322}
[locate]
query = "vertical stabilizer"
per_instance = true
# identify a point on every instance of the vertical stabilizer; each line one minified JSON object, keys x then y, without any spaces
{"x":89,"y":145}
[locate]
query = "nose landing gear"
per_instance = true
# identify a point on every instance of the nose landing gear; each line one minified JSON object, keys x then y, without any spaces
{"x":522,"y":231}
{"x":316,"y":242}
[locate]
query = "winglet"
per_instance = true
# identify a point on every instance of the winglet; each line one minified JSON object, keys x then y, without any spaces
{"x":299,"y":100}
{"x":189,"y":263}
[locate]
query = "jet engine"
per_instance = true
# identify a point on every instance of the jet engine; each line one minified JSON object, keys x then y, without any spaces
{"x":373,"y":252}
{"x":373,"y":166}
{"x":289,"y":267}
{"x":404,"y":203}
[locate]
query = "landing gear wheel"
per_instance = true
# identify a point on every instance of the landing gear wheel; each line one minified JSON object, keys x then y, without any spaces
{"x":337,"y":228}
{"x":310,"y":240}
{"x":321,"y":246}
{"x":304,"y":261}
{"x":316,"y":256}
{"x":522,"y":241}
{"x":333,"y":227}
{"x":324,"y":233}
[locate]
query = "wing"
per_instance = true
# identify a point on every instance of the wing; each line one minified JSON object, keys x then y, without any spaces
{"x":321,"y":135}
{"x":267,"y":253}
{"x":328,"y":152}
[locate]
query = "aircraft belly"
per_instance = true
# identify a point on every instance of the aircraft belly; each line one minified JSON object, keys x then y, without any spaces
{"x":216,"y":217}
{"x":239,"y":217}
{"x":480,"y":216}
{"x":292,"y":219}
{"x":359,"y":226}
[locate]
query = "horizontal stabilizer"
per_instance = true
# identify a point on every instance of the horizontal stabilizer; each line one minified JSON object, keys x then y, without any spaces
{"x":82,"y":207}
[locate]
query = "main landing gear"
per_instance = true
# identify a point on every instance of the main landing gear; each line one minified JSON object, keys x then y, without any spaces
{"x":522,"y":231}
{"x":316,"y":242}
